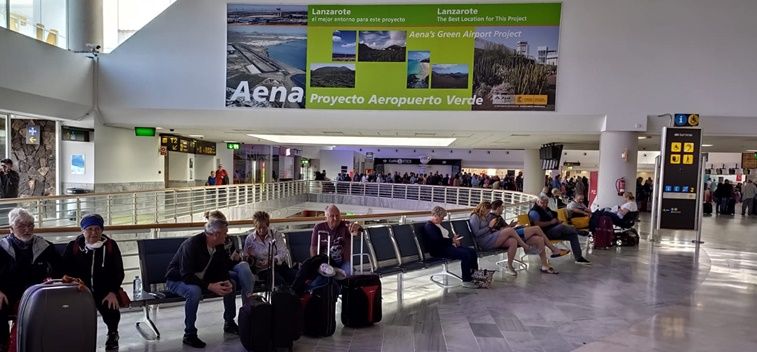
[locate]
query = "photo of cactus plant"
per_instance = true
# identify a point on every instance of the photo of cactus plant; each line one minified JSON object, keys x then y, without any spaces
{"x":515,"y":68}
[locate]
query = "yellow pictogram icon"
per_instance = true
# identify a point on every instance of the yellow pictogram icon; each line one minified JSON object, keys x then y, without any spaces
{"x":688,"y":147}
{"x":675,"y":158}
{"x":675,"y":147}
{"x":694,"y":120}
{"x":688,"y":159}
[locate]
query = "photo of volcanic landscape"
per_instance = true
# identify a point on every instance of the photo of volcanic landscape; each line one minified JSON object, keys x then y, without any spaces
{"x":521,"y":64}
{"x":449,"y":76}
{"x":266,"y":46}
{"x":382,"y":46}
{"x":332,"y":75}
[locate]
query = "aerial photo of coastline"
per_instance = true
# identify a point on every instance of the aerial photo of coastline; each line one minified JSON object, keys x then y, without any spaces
{"x":418,"y":68}
{"x":332,"y":75}
{"x":344,"y":46}
{"x":266,"y":46}
{"x":449,"y":76}
{"x":382,"y":46}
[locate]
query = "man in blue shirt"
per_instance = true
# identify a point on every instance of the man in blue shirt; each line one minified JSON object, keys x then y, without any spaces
{"x":540,"y":215}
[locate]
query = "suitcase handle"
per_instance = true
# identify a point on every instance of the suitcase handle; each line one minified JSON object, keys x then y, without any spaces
{"x":361,"y":233}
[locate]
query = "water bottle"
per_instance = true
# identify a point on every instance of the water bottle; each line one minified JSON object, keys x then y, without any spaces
{"x":137,"y":287}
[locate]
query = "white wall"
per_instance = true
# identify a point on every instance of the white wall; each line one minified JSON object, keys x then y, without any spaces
{"x":333,"y":160}
{"x":624,"y":59}
{"x":717,"y":160}
{"x":40,"y":79}
{"x":178,"y":166}
{"x":204,"y":164}
{"x":69,"y":148}
{"x":122,"y":157}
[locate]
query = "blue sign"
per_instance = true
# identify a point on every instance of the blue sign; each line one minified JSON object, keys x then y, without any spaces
{"x":676,"y":188}
{"x":668,"y":188}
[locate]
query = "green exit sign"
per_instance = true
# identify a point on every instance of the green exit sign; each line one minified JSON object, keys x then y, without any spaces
{"x":144,"y":131}
{"x":233,"y":145}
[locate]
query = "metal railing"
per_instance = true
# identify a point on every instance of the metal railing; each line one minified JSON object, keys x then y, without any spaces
{"x":186,"y":205}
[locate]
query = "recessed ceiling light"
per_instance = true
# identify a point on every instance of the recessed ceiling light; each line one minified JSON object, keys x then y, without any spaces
{"x":196,"y":136}
{"x":158,"y":128}
{"x":230,"y":141}
{"x":707,"y":145}
{"x":347,"y":140}
{"x":643,"y":137}
{"x":752,"y":150}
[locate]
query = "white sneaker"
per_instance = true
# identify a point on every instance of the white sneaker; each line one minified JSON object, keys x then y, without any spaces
{"x":511,"y":272}
{"x":326,"y":270}
{"x":468,"y":284}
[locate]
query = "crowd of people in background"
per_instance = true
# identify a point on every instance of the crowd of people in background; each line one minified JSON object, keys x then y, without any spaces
{"x":460,"y":179}
{"x":725,"y":196}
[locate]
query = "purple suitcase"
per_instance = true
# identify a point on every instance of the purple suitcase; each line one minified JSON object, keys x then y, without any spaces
{"x":52,"y":313}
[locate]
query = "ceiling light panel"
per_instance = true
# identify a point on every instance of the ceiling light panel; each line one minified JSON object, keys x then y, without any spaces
{"x":349,"y":140}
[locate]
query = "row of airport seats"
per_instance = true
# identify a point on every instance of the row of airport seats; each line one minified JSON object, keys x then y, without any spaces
{"x":389,"y":249}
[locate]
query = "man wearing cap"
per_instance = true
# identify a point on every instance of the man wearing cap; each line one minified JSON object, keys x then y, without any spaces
{"x":96,"y":260}
{"x":25,"y":260}
{"x":201,"y":265}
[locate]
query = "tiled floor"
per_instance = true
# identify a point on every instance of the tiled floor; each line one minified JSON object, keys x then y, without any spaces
{"x":658,"y":297}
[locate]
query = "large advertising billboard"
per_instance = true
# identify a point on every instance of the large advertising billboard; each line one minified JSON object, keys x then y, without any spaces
{"x":393,"y":57}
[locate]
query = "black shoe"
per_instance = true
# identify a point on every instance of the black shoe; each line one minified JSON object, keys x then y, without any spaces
{"x":112,"y":342}
{"x":194,"y":341}
{"x":230,"y":327}
{"x":583,"y":261}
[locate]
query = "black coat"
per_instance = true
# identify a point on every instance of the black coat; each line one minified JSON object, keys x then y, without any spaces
{"x":435,"y":242}
{"x":9,"y":184}
{"x":16,"y":277}
{"x":192,"y":257}
{"x":102,"y":269}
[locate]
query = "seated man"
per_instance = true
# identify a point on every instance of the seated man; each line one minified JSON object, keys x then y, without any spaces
{"x":619,"y":215}
{"x":577,"y":208}
{"x":25,"y":260}
{"x":441,"y":245}
{"x":256,"y":248}
{"x":201,"y":264}
{"x":339,"y":231}
{"x":542,"y":216}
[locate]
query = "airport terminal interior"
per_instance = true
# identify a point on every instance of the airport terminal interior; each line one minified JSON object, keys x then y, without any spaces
{"x":152,"y":113}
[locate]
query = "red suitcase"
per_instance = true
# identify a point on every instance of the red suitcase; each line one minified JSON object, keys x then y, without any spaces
{"x":604,"y":232}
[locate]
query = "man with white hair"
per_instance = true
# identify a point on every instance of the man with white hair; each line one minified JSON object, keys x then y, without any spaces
{"x":25,"y":260}
{"x":200,"y":265}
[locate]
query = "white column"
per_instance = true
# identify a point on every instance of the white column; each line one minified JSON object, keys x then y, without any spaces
{"x":85,"y":24}
{"x":617,"y":158}
{"x":533,"y":174}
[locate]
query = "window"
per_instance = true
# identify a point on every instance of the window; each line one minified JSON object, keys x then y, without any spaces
{"x":123,"y":18}
{"x":44,"y":20}
{"x":3,"y":14}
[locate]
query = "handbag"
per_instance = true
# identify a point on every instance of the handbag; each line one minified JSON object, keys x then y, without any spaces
{"x":483,"y":278}
{"x":123,"y":298}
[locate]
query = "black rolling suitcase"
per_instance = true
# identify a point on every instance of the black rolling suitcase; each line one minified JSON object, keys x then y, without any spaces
{"x":256,"y":318}
{"x":319,"y":310}
{"x":361,"y":296}
{"x":57,"y":316}
{"x":319,"y":304}
{"x":707,"y":208}
{"x":287,"y":311}
{"x":255,"y":324}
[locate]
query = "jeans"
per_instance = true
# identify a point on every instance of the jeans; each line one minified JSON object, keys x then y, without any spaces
{"x":243,"y":278}
{"x":193,"y":295}
{"x":111,"y":317}
{"x":468,"y":260}
{"x":565,"y":232}
{"x":747,"y":206}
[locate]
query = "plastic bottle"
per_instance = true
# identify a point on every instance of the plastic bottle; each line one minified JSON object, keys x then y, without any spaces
{"x":137,"y":287}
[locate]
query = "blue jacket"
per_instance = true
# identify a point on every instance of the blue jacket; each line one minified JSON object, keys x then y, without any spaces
{"x":435,"y":242}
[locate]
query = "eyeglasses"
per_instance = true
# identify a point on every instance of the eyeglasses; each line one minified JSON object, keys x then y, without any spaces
{"x":27,"y":225}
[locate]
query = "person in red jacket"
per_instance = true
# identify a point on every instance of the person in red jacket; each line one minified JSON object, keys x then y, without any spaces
{"x":222,"y":178}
